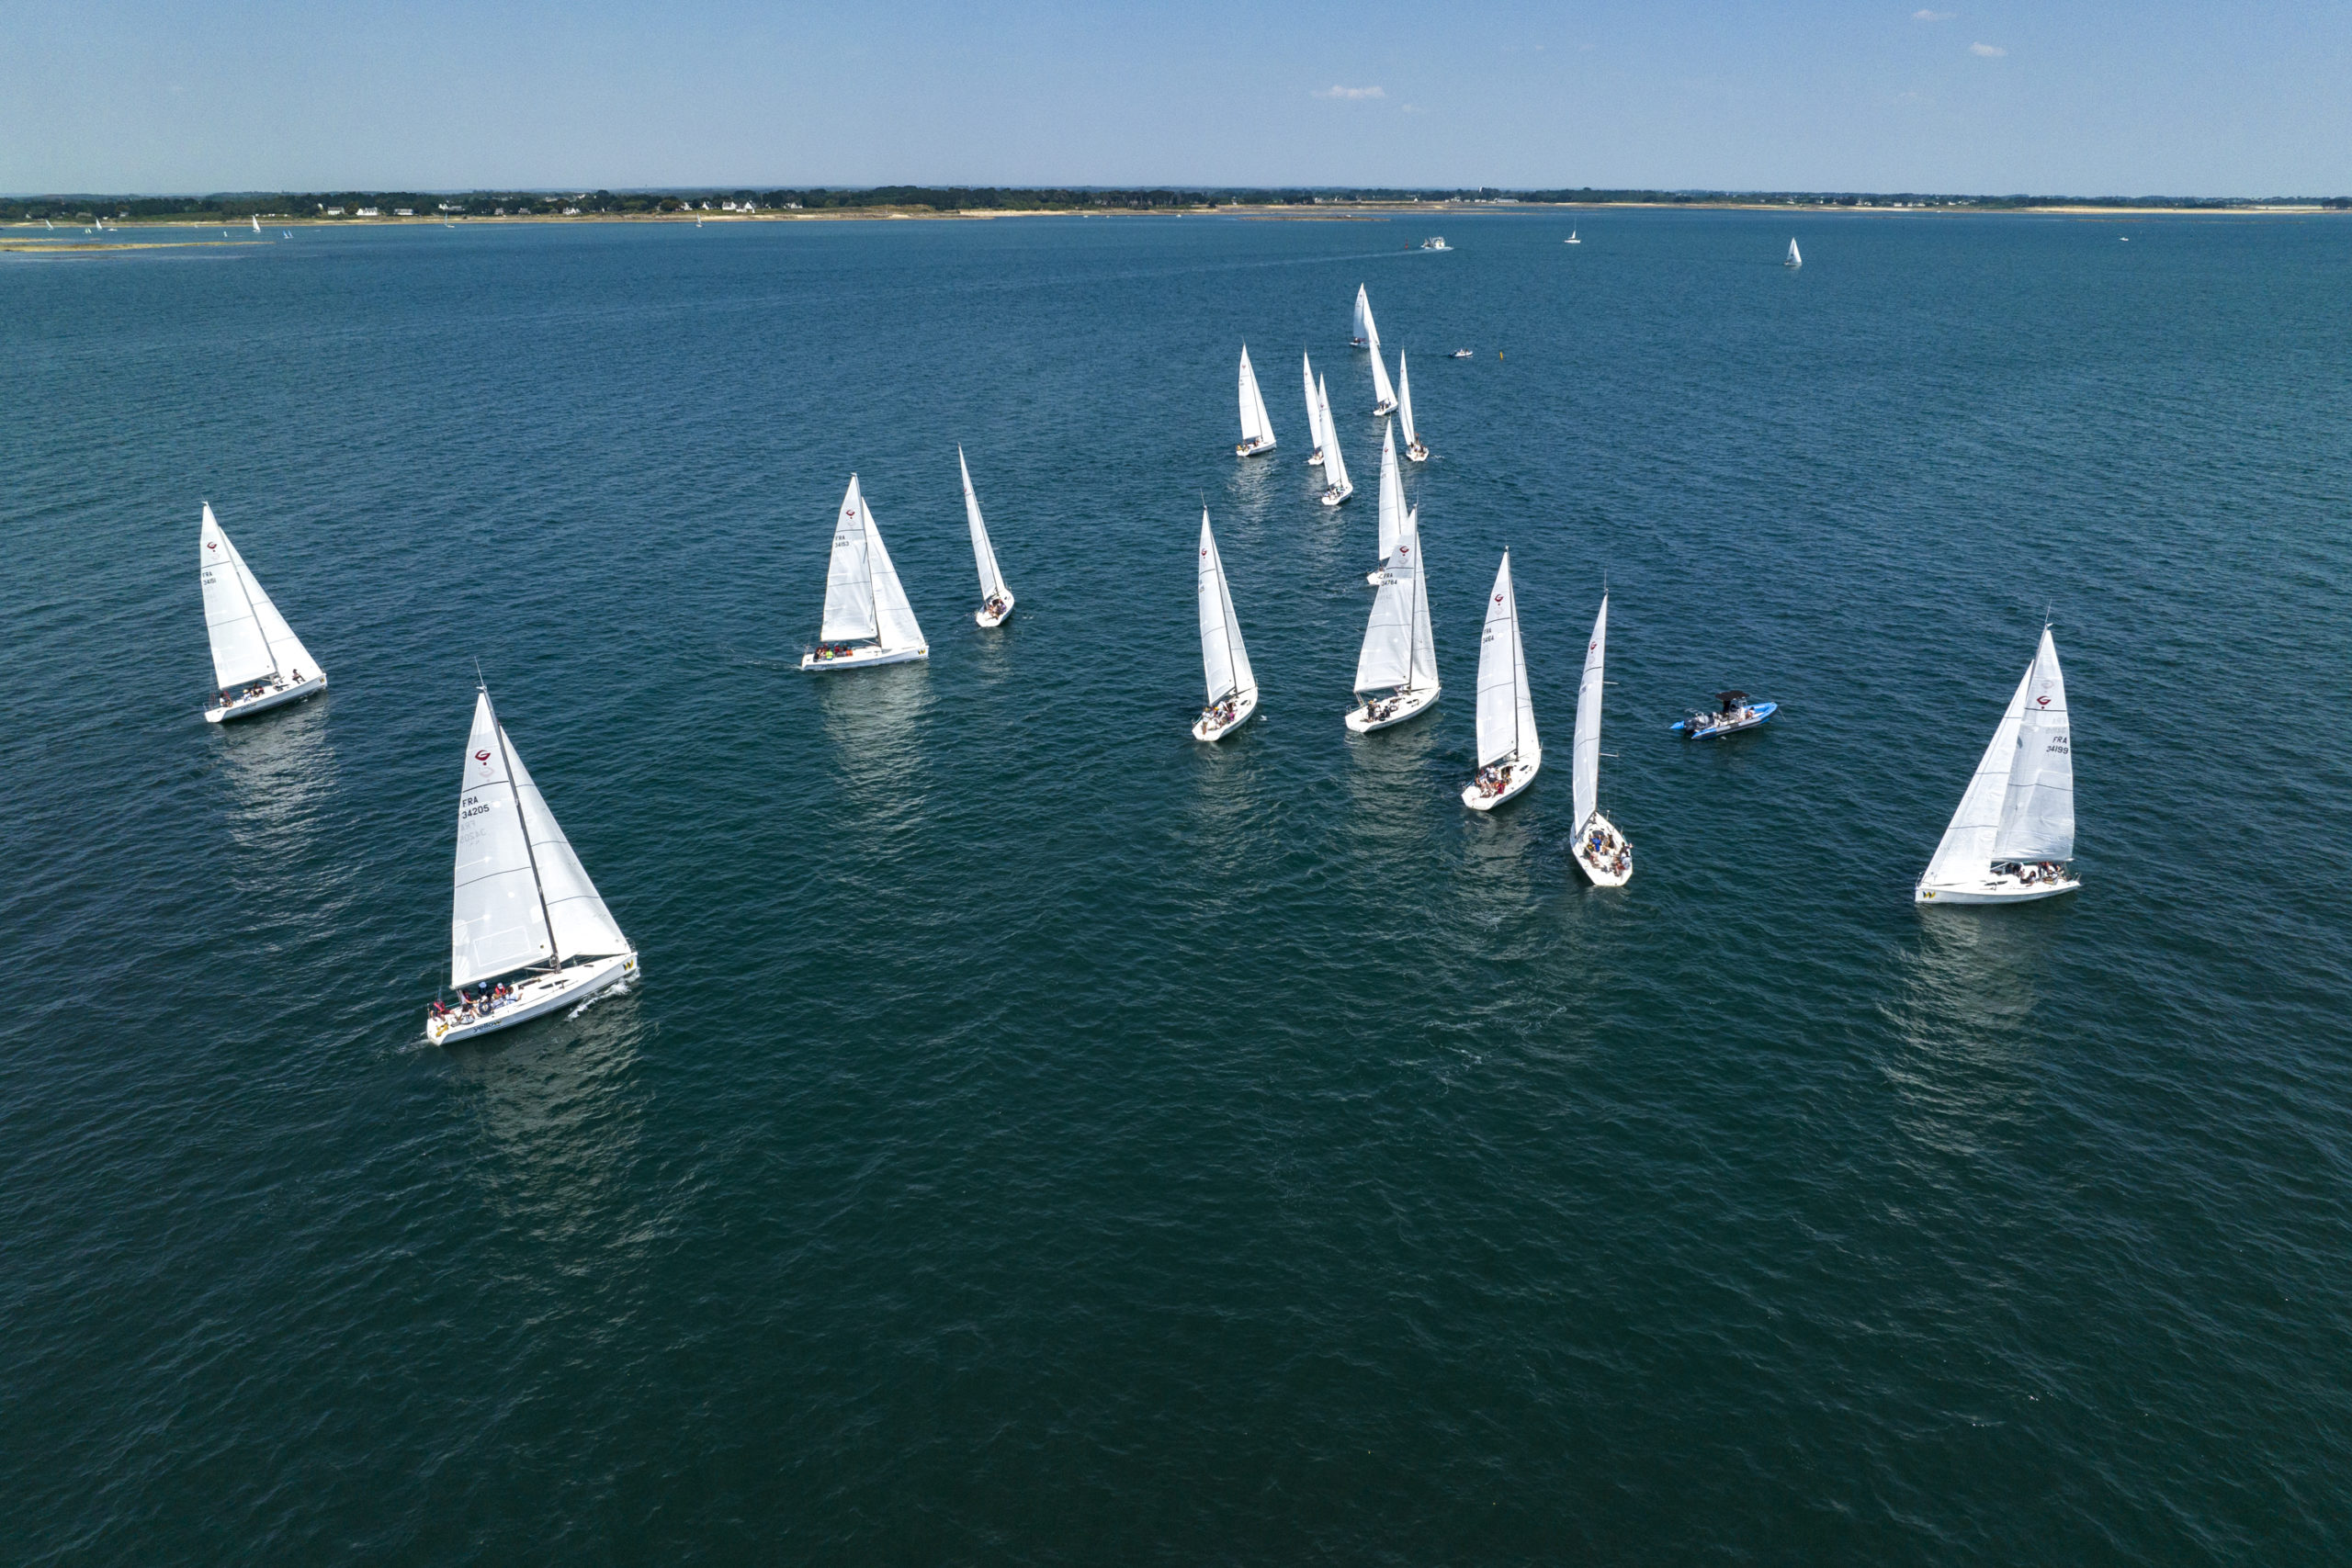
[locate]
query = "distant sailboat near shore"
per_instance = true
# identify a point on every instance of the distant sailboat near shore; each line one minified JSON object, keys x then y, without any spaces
{"x":1510,"y":754}
{"x":2012,"y":839}
{"x":1602,"y":853}
{"x":1232,"y":686}
{"x":258,"y":662}
{"x":1257,"y":430}
{"x":995,"y":598}
{"x":1314,"y":412}
{"x":868,"y":618}
{"x":523,"y":907}
{"x":1792,"y":259}
{"x":1413,"y":447}
{"x":1337,"y":485}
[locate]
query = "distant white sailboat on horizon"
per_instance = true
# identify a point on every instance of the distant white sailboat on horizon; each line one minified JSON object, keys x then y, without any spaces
{"x":996,"y":597}
{"x":1510,"y":752}
{"x":1413,"y":447}
{"x":1572,"y":239}
{"x":1337,"y":485}
{"x":1314,"y":412}
{"x":1225,"y":662}
{"x":2013,"y":835}
{"x":868,"y":619}
{"x":258,"y":662}
{"x":1257,"y":430}
{"x":256,"y":218}
{"x":1397,"y":668}
{"x":1602,"y":853}
{"x":1792,"y":259}
{"x":523,"y":904}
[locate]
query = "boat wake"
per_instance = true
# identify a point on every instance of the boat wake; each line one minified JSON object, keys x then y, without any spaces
{"x":618,"y":988}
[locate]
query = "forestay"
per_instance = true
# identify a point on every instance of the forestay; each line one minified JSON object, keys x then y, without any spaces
{"x":1506,"y":711}
{"x":983,"y":553}
{"x":1586,"y":765}
{"x":1255,"y":425}
{"x":849,"y":582}
{"x":2038,"y":802}
{"x":1965,"y":852}
{"x":1223,"y":659}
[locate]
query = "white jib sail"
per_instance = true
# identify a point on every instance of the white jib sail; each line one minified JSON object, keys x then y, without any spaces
{"x":1314,"y":407}
{"x":1405,"y":403}
{"x":1423,"y":673}
{"x":894,"y":617}
{"x":1965,"y":852}
{"x":498,"y":923}
{"x":983,"y":553}
{"x":1223,"y":659}
{"x":240,"y":650}
{"x":1586,"y":764}
{"x":1506,"y":712}
{"x":1392,"y":496}
{"x":1384,"y":395}
{"x":1335,"y":467}
{"x":583,"y":927}
{"x":1365,"y":333}
{"x":1254,"y":425}
{"x":849,"y":582}
{"x":2038,"y":805}
{"x":1794,"y":259}
{"x":1399,"y":613}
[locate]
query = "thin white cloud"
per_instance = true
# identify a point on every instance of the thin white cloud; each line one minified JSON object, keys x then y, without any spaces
{"x":1338,"y":91}
{"x":1931,"y":16}
{"x":1415,"y":109}
{"x":1986,"y":51}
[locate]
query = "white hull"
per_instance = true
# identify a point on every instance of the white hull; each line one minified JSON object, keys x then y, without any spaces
{"x":1253,"y":448}
{"x":1382,"y":410}
{"x":1521,"y":775}
{"x":1995,"y":890}
{"x":864,"y":658}
{"x":1417,"y":452}
{"x":1206,"y":726}
{"x":1407,"y":705}
{"x":987,"y":618}
{"x":1333,"y":496}
{"x":1316,"y":461}
{"x":278,"y":698}
{"x":537,"y":996}
{"x":1600,"y":870}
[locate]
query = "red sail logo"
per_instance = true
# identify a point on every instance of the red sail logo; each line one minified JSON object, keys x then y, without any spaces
{"x":482,"y":757}
{"x":2044,"y":701}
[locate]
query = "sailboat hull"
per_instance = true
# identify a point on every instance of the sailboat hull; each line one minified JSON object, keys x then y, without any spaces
{"x":1384,"y":408}
{"x":1409,"y":705}
{"x":1205,"y":727}
{"x":1253,"y":448}
{"x":863,"y":658}
{"x":1521,"y":775}
{"x":1335,"y":495}
{"x":537,"y":997}
{"x":280,"y":698}
{"x":1600,"y":867}
{"x":1417,"y":452}
{"x":987,"y":618}
{"x":1995,"y":890}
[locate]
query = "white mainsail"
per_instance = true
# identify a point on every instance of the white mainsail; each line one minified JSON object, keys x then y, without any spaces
{"x":1314,"y":407}
{"x":1405,"y":404}
{"x":1392,"y":496}
{"x":1586,"y":763}
{"x":863,"y":595}
{"x":1366,"y":334}
{"x":1223,"y":659}
{"x":1506,"y":710}
{"x":1255,"y":426}
{"x":1335,"y":466}
{"x":1965,"y":852}
{"x":251,"y":641}
{"x":983,"y":553}
{"x":1396,"y":651}
{"x":2038,"y":802}
{"x":1793,"y":259}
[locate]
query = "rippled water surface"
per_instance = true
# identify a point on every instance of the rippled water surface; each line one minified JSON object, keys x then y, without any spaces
{"x":1038,"y":1138}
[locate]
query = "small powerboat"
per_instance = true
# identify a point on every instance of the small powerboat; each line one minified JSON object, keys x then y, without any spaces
{"x":1733,"y":712}
{"x":1461,"y":354}
{"x":1435,"y":243}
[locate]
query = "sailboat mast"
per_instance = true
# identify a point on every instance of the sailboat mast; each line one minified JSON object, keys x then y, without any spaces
{"x":506,"y":755}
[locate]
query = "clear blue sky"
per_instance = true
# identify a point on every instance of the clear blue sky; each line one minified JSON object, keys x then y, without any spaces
{"x":2250,"y":98}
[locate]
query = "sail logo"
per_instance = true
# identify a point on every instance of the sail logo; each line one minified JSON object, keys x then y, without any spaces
{"x":2044,"y":701}
{"x":212,"y":544}
{"x":482,"y":757}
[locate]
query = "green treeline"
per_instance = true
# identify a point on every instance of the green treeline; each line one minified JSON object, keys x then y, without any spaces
{"x":238,"y":206}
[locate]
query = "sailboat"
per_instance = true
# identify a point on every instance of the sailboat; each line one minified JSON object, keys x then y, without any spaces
{"x":256,"y":218}
{"x":1233,"y":689}
{"x":258,"y":662}
{"x":1602,"y":853}
{"x":1413,"y":447}
{"x":528,"y":926}
{"x":1337,"y":485}
{"x":1257,"y":430}
{"x":1362,"y":333}
{"x":995,"y":598}
{"x":1384,"y":396}
{"x":2014,"y":833}
{"x":868,"y":618}
{"x":1399,"y":653}
{"x":1510,"y":754}
{"x":1314,"y":412}
{"x":1792,"y":259}
{"x":1392,"y":506}
{"x":1572,"y":239}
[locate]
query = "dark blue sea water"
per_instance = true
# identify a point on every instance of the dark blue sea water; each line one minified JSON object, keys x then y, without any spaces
{"x":1039,"y":1138}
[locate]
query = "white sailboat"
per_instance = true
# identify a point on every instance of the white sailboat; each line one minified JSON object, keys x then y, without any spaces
{"x":1337,"y":485}
{"x":1572,"y":239}
{"x":1400,"y":659}
{"x":1233,"y":689}
{"x":1510,"y":754}
{"x":1384,"y":399}
{"x":2014,"y":833}
{"x":868,"y":618}
{"x":1792,"y":259}
{"x":1602,"y":853}
{"x":256,"y":218}
{"x":258,"y":662}
{"x":528,"y":932}
{"x":995,"y":598}
{"x":1392,"y":506}
{"x":1413,"y":447}
{"x":1362,"y":333}
{"x":1314,"y":412}
{"x":1257,"y":430}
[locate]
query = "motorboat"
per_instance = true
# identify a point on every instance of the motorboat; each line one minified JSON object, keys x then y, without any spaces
{"x":1435,"y":243}
{"x":1461,"y":354}
{"x":1733,"y":712}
